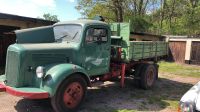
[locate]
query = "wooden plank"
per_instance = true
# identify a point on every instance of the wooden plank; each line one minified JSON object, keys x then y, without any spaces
{"x":195,"y":53}
{"x":146,"y":50}
{"x":177,"y":51}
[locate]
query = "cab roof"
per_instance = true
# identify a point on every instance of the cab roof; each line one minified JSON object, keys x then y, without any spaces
{"x":81,"y":22}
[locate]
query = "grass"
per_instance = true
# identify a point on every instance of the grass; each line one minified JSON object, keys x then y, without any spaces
{"x":179,"y":69}
{"x":173,"y":104}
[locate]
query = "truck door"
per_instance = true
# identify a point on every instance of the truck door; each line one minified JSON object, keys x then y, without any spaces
{"x":97,"y":50}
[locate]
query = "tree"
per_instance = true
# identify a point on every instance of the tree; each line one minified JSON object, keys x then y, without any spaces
{"x":191,"y":17}
{"x":178,"y":17}
{"x":119,"y":11}
{"x":48,"y":16}
{"x":109,"y":8}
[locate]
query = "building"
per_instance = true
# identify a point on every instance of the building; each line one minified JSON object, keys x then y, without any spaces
{"x":146,"y":37}
{"x":9,"y":23}
{"x":184,"y":49}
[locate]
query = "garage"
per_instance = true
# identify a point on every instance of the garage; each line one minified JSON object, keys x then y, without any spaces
{"x":195,"y":53}
{"x":8,"y":24}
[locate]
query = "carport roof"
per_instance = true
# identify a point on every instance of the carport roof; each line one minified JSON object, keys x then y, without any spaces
{"x":22,"y":18}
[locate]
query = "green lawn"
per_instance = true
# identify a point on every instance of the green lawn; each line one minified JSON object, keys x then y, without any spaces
{"x":179,"y":69}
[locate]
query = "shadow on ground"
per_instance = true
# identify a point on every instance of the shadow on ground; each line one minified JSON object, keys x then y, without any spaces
{"x":26,"y":105}
{"x":111,"y":98}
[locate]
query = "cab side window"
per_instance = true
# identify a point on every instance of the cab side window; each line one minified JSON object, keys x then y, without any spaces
{"x":96,"y":35}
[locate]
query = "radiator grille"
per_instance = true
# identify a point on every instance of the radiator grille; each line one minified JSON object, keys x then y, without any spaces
{"x":12,"y":68}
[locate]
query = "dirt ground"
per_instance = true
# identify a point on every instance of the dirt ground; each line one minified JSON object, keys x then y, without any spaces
{"x":109,"y":97}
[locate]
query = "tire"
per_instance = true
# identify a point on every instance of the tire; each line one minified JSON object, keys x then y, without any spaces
{"x":156,"y":67}
{"x":148,"y":76}
{"x":70,"y":94}
{"x":137,"y":73}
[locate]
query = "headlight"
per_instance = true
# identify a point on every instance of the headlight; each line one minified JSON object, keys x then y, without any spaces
{"x":40,"y":71}
{"x":185,"y":107}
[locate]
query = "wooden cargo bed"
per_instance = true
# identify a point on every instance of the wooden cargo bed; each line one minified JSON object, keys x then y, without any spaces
{"x":137,"y":49}
{"x":142,"y":50}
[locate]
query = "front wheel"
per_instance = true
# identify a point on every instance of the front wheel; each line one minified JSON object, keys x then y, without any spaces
{"x":70,"y":94}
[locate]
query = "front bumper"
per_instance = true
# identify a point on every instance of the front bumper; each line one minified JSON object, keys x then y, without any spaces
{"x":28,"y":92}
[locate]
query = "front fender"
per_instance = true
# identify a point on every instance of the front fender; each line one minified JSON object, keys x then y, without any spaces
{"x":55,"y":74}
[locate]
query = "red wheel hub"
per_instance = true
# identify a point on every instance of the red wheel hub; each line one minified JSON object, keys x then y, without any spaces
{"x":73,"y":95}
{"x":150,"y":77}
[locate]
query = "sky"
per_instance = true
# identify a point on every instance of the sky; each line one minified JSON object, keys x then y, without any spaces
{"x":64,"y":9}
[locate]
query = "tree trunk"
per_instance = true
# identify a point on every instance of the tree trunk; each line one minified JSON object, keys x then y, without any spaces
{"x":172,"y":13}
{"x":163,"y":4}
{"x":118,"y":10}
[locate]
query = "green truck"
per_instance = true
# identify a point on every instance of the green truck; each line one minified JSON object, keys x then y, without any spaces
{"x":60,"y":61}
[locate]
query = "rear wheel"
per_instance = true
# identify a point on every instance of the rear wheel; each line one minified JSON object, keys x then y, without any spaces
{"x":137,"y":72}
{"x":70,"y":94}
{"x":148,"y":76}
{"x":156,"y":67}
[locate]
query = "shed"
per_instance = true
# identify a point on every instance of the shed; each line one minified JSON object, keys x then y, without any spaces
{"x":9,"y":23}
{"x":184,"y":49}
{"x":146,"y":37}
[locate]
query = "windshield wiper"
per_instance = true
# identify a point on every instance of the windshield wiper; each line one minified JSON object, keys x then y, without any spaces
{"x":63,"y":36}
{"x":60,"y":38}
{"x":75,"y":35}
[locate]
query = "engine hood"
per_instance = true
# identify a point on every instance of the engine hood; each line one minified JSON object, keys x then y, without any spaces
{"x":48,"y":46}
{"x":51,"y":52}
{"x":35,"y":35}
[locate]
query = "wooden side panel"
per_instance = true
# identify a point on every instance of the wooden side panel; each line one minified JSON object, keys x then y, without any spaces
{"x":177,"y":51}
{"x":145,"y":50}
{"x":195,"y":53}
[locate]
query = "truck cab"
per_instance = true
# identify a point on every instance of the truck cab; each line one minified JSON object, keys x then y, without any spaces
{"x":85,"y":44}
{"x":74,"y":47}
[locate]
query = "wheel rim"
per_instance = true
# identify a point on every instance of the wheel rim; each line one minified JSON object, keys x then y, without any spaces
{"x":150,"y":77}
{"x":73,"y":95}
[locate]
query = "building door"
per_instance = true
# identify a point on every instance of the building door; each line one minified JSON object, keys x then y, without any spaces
{"x":195,"y":52}
{"x":177,"y":51}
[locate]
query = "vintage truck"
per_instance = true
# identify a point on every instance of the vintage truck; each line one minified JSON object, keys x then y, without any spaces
{"x":60,"y":61}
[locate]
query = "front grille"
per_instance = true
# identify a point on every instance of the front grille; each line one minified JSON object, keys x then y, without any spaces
{"x":12,"y":68}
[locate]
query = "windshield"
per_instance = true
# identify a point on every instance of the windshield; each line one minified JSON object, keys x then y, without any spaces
{"x":67,"y":33}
